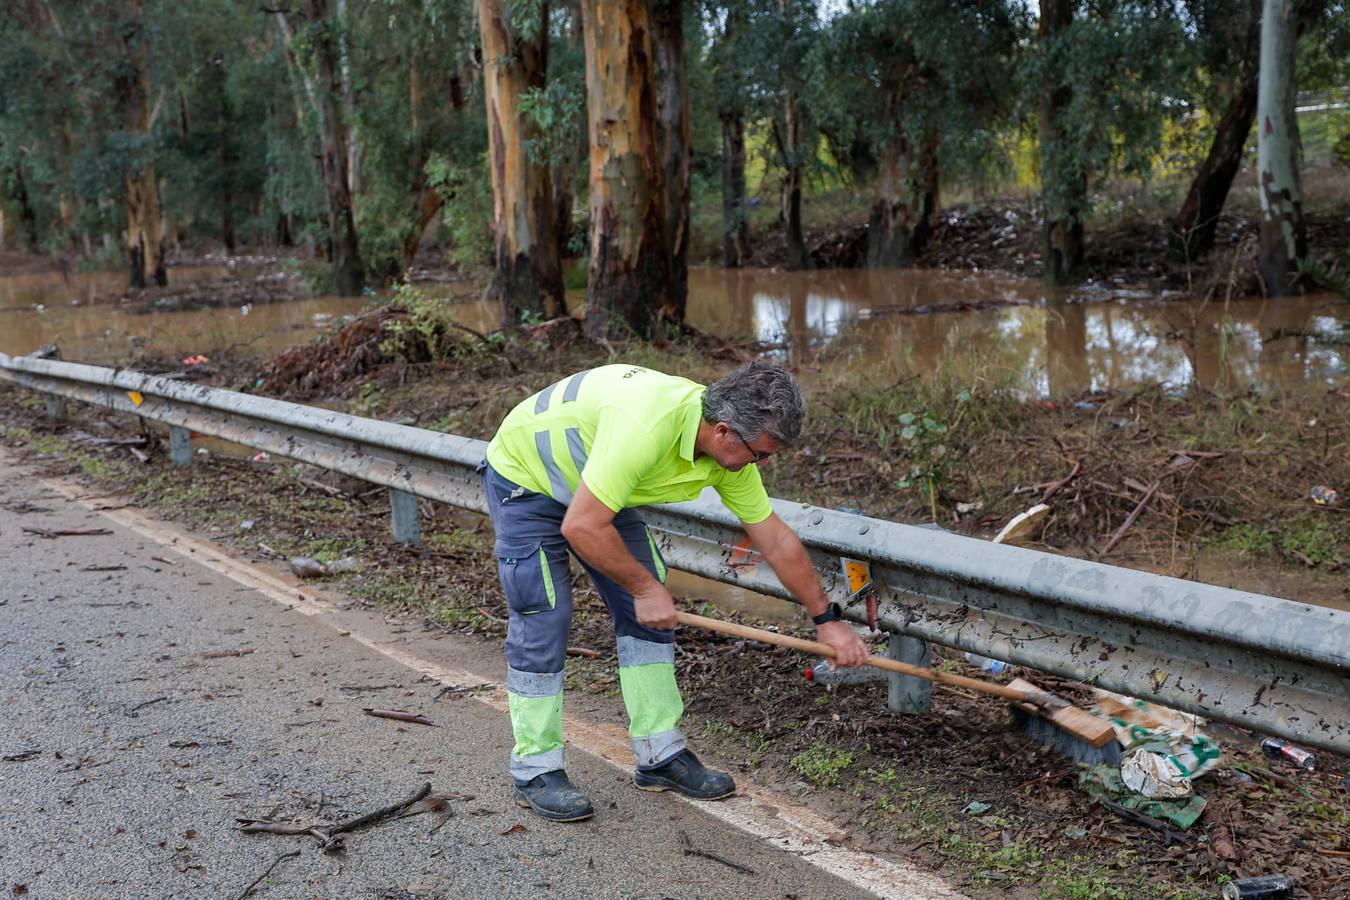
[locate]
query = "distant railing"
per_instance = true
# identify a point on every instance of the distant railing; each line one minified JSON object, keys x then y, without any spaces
{"x":1268,"y":664}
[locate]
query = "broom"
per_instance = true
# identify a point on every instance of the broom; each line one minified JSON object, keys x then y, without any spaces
{"x":1051,"y":720}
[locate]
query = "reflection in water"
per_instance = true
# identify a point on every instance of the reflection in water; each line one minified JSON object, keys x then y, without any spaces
{"x":1044,"y":345}
{"x":843,"y":319}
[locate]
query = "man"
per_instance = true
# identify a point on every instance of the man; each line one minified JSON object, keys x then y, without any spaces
{"x":564,"y":472}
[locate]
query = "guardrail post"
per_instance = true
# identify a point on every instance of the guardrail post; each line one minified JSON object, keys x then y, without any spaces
{"x":907,"y":694}
{"x":56,"y":407}
{"x":407,"y":527}
{"x":180,"y":446}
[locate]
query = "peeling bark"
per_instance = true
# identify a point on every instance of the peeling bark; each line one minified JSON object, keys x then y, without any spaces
{"x":628,"y":292}
{"x":1279,"y":184}
{"x":672,"y":115}
{"x":528,"y":274}
{"x":1063,"y":181}
{"x":145,"y":261}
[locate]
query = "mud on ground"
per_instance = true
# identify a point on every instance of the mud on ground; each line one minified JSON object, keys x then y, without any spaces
{"x":898,"y":783}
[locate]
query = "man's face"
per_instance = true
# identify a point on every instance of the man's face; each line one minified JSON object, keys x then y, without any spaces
{"x":733,"y":452}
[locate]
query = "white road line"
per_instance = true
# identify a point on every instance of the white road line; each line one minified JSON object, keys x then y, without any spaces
{"x":754,"y":810}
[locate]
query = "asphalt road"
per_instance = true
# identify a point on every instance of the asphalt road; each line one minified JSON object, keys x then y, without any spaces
{"x":130,"y":745}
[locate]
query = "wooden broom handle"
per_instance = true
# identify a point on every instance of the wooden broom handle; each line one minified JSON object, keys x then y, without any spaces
{"x":881,"y":662}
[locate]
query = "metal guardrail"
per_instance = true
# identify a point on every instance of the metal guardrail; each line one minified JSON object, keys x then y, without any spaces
{"x":1261,"y":662}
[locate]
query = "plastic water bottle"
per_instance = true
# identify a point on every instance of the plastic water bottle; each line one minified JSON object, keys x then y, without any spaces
{"x":993,"y":666}
{"x":821,"y":673}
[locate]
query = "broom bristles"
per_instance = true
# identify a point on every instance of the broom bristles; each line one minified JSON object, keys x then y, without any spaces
{"x":1050,"y":735}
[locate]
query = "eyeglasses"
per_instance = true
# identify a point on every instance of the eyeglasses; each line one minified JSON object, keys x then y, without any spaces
{"x":759,"y":457}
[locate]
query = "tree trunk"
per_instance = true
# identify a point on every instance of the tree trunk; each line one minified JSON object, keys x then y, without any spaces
{"x":528,"y":274}
{"x":348,"y":101}
{"x":902,"y":216}
{"x":344,"y":250}
{"x":1063,"y":179}
{"x":1283,"y":237}
{"x":1199,"y":217}
{"x":731,"y":98}
{"x":145,"y":260}
{"x":735,"y":214}
{"x":27,"y":216}
{"x":628,"y":291}
{"x":672,"y":116}
{"x":794,"y":163}
{"x":793,"y":176}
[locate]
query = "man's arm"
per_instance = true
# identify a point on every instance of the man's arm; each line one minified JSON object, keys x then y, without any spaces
{"x":589,"y":527}
{"x":787,"y":557}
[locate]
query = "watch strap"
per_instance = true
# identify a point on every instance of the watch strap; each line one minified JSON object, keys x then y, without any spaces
{"x":831,"y":613}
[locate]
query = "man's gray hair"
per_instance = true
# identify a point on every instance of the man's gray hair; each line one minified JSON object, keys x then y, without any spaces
{"x":757,"y":399}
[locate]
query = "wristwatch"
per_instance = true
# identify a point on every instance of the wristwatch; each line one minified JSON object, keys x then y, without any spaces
{"x":831,"y":613}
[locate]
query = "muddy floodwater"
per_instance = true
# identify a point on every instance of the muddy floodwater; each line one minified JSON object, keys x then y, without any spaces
{"x":887,"y":324}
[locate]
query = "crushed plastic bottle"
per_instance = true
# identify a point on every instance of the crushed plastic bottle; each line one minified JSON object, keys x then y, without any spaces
{"x":993,"y":666}
{"x":821,"y":673}
{"x":340,"y":566}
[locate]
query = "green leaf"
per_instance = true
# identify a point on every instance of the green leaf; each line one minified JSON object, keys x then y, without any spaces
{"x":907,"y":418}
{"x":909,"y":432}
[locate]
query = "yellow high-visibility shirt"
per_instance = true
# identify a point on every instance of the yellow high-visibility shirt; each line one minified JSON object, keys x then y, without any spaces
{"x":629,"y":433}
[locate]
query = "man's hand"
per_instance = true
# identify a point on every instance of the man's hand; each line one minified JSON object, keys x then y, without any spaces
{"x":655,"y":608}
{"x":849,"y":649}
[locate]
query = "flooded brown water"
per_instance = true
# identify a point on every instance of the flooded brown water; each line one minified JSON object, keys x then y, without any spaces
{"x":884,"y":323}
{"x":893,"y":322}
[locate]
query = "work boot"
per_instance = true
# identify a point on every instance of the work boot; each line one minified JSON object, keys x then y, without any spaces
{"x":552,"y":796}
{"x":685,"y":774}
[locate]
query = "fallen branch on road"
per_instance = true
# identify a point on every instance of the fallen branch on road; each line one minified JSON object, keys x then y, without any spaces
{"x":465,"y":689}
{"x":257,"y":881}
{"x":221,"y":654}
{"x":691,"y":850}
{"x":132,"y":712}
{"x":398,"y":714}
{"x":330,"y":838}
{"x":67,"y":532}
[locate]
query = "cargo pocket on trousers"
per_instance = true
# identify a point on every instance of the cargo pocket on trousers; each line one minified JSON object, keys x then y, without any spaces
{"x":527,"y":577}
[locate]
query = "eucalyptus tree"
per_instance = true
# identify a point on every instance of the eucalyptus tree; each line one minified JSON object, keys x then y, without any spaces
{"x":672,"y":120}
{"x":1227,"y":37}
{"x":1284,"y":240}
{"x":920,"y":84}
{"x":312,"y":41}
{"x":628,"y":288}
{"x":732,"y":73}
{"x":527,"y":277}
{"x":796,"y":28}
{"x":1103,"y":80}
